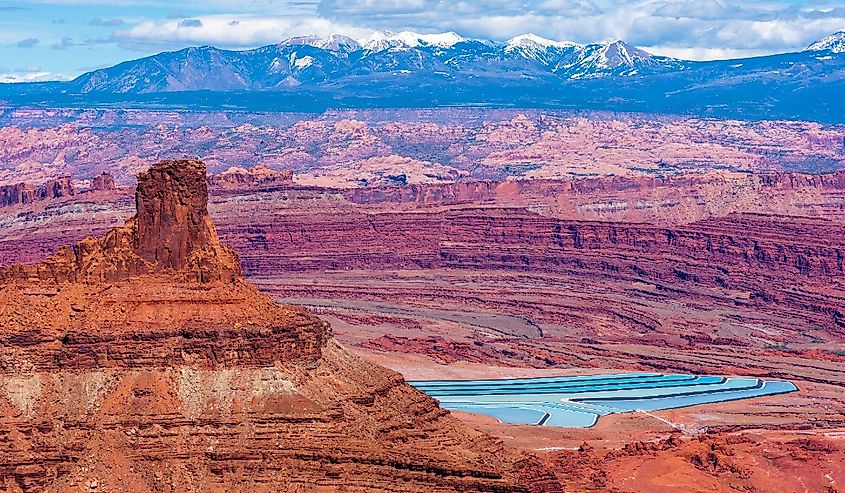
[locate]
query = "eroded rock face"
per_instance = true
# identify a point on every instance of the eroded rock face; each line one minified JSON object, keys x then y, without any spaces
{"x":172,"y":220}
{"x":142,"y":361}
{"x":103,"y":183}
{"x":171,"y":232}
{"x":23,"y":193}
{"x":710,"y":462}
{"x":367,"y":147}
{"x":259,"y":177}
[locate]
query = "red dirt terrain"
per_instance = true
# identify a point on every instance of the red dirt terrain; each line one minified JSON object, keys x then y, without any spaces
{"x":375,"y":148}
{"x":705,"y":464}
{"x":483,"y":285}
{"x":524,"y":261}
{"x":143,"y":361}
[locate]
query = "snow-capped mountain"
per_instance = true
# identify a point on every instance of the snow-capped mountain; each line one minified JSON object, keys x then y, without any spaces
{"x":412,"y":69}
{"x":386,"y":40}
{"x":336,"y":43}
{"x":532,"y":42}
{"x":613,"y":57}
{"x":834,"y":43}
{"x":315,"y":59}
{"x":544,"y":51}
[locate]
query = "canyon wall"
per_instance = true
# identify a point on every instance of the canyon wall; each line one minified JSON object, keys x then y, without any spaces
{"x":508,"y":238}
{"x":143,"y":361}
{"x":23,"y":193}
{"x":660,"y":200}
{"x":481,"y":191}
{"x":769,"y":242}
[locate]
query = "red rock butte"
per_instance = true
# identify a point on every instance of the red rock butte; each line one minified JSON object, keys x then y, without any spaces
{"x":143,"y":361}
{"x":171,"y":233}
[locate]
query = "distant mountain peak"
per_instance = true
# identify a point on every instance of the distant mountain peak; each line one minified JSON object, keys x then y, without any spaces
{"x":834,"y":43}
{"x":444,"y":40}
{"x":335,"y":43}
{"x":533,"y":40}
{"x":545,"y":51}
{"x":385,"y":40}
{"x":616,"y":52}
{"x":612,"y":58}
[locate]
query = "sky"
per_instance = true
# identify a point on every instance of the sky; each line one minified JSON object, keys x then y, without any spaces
{"x":61,"y":39}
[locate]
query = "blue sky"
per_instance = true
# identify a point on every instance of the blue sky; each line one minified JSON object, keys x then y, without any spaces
{"x":56,"y":39}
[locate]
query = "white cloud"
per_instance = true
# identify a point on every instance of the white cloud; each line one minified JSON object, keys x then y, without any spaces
{"x":39,"y":76}
{"x":696,"y":29}
{"x":703,"y":54}
{"x":230,"y":31}
{"x":739,"y":25}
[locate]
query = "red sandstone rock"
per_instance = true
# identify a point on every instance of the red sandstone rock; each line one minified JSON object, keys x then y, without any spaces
{"x":708,"y":463}
{"x":486,"y":144}
{"x":752,"y":264}
{"x":259,"y":177}
{"x":667,"y":200}
{"x":142,"y":361}
{"x":171,"y":232}
{"x":103,"y":183}
{"x":172,"y":220}
{"x":23,"y":193}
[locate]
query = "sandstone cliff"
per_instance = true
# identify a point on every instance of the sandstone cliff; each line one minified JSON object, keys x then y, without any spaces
{"x":259,"y":177}
{"x":143,"y":361}
{"x":23,"y":193}
{"x":666,"y":200}
{"x":103,"y":183}
{"x":171,"y":232}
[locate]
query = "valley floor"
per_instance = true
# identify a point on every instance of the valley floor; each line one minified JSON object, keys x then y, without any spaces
{"x":453,"y":324}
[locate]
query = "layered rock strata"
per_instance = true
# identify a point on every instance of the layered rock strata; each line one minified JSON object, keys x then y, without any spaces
{"x":260,"y":177}
{"x":667,"y":200}
{"x":171,"y":232}
{"x":24,"y":193}
{"x":143,"y":361}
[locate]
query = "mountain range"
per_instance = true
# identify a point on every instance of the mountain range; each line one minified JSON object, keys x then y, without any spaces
{"x":312,"y":60}
{"x":407,"y":69}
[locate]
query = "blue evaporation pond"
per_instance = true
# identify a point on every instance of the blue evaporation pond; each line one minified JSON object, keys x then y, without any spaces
{"x":580,"y":401}
{"x":552,"y":387}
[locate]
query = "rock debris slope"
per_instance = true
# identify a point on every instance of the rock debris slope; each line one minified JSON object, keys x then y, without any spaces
{"x":143,"y":361}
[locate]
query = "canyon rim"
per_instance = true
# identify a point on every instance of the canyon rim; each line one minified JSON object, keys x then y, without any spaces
{"x":422,"y":246}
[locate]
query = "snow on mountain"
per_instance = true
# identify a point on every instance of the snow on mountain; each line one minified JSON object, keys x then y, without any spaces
{"x":301,"y":63}
{"x":545,"y":51}
{"x":561,"y":57}
{"x":618,"y":53}
{"x":834,"y":43}
{"x":386,"y":40}
{"x":443,"y":40}
{"x":613,"y":58}
{"x":339,"y":43}
{"x":534,"y":41}
{"x":433,"y":58}
{"x":336,"y":43}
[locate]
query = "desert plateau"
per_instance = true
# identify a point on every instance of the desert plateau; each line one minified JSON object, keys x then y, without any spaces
{"x":470,"y":278}
{"x":330,"y":246}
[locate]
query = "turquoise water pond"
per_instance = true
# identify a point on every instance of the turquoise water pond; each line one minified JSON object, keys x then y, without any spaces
{"x":579,"y":401}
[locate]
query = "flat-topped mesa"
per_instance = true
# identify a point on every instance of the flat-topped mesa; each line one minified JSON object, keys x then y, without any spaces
{"x":170,"y":233}
{"x":259,"y":177}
